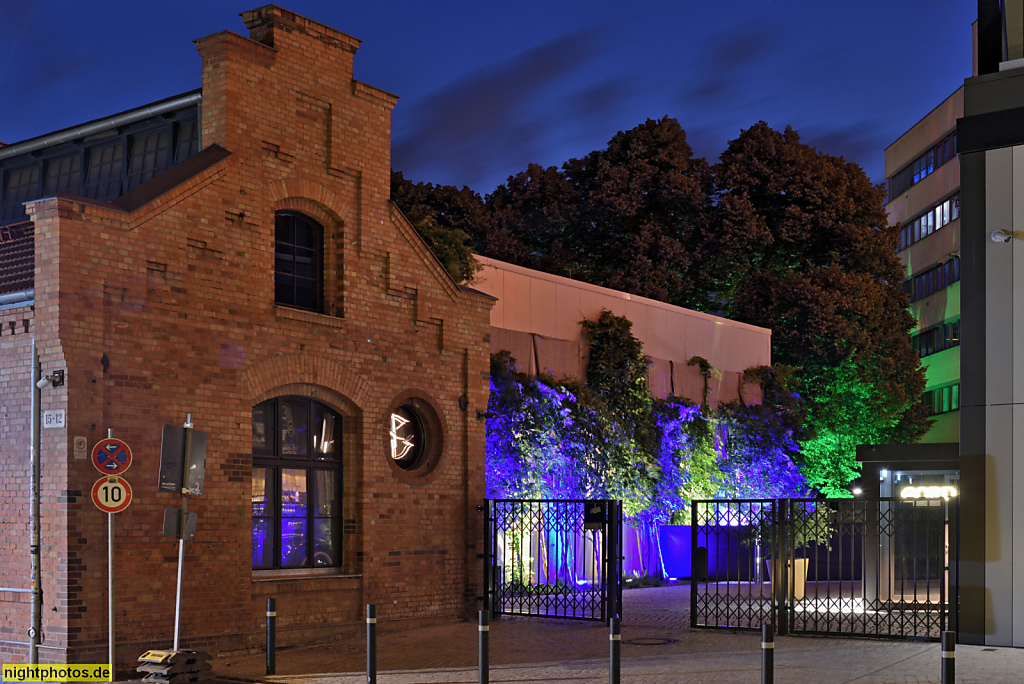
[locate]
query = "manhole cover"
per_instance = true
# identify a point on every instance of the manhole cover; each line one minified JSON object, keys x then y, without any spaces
{"x":650,"y":641}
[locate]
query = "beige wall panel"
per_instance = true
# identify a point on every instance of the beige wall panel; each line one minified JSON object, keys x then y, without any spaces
{"x":724,"y":387}
{"x":595,"y":302}
{"x":999,"y":277}
{"x":659,"y":376}
{"x":937,"y":308}
{"x":517,"y":302}
{"x":999,"y":495}
{"x":658,"y":343}
{"x":926,"y":132}
{"x":638,"y":313}
{"x":520,"y":344}
{"x":942,"y":368}
{"x":934,"y":249}
{"x":543,"y":303}
{"x":752,"y":394}
{"x":492,"y":281}
{"x":688,"y":382}
{"x":946,"y":428}
{"x":560,"y":358}
{"x":569,"y":310}
{"x":1016,"y":249}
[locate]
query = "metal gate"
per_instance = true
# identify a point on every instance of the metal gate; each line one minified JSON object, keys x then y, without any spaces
{"x":554,"y":558}
{"x":882,"y":567}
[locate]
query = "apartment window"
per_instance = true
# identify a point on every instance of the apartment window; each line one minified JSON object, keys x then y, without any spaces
{"x":934,"y":279}
{"x":296,"y":484}
{"x":939,"y":338}
{"x":943,"y":399}
{"x":298,"y":261}
{"x":932,"y":220}
{"x":922,"y":167}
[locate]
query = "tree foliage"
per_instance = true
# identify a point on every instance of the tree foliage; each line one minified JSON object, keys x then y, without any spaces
{"x":776,"y":234}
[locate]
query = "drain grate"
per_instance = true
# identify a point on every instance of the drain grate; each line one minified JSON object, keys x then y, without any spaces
{"x":650,"y":641}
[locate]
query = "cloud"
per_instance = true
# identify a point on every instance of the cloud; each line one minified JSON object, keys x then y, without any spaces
{"x":498,"y":117}
{"x":725,"y":57}
{"x":859,"y":142}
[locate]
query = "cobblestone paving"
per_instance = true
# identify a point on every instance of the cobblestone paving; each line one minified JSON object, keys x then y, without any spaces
{"x":657,"y":647}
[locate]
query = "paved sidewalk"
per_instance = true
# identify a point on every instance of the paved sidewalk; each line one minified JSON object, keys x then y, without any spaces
{"x":657,"y":646}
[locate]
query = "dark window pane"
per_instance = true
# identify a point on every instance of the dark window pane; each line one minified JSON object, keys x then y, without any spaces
{"x":326,"y":427}
{"x":261,"y":492}
{"x":262,"y":543}
{"x":150,"y":155}
{"x":188,"y":141}
{"x":323,"y":543}
{"x":293,"y":425}
{"x":63,"y":175}
{"x":293,"y":542}
{"x":22,"y":186}
{"x":326,"y":484}
{"x":103,"y":178}
{"x":298,"y":252}
{"x":263,"y":429}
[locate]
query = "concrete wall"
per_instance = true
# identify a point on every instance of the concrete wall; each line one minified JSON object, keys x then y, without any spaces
{"x":537,"y":318}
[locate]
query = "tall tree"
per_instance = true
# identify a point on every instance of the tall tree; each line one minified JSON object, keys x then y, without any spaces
{"x":821,"y":271}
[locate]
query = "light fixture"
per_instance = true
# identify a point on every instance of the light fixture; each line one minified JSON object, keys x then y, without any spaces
{"x":55,"y":379}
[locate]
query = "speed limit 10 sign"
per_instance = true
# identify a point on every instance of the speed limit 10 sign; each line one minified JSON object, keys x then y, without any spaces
{"x":111,"y":494}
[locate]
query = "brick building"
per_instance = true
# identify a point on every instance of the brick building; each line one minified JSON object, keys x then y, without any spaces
{"x":232,"y":253}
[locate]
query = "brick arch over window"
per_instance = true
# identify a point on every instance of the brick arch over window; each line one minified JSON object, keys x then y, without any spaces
{"x":324,"y":380}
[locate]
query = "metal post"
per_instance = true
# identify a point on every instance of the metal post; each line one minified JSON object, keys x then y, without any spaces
{"x":371,"y":643}
{"x":110,"y":579}
{"x":767,"y":655}
{"x":271,"y":636}
{"x":615,"y":642}
{"x":948,"y":657}
{"x":484,"y":652}
{"x":35,"y":580}
{"x":181,"y":529}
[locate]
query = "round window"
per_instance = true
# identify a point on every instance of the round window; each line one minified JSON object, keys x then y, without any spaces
{"x":407,"y":437}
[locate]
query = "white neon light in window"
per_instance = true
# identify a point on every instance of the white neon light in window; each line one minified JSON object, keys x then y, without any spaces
{"x":943,"y":492}
{"x":400,"y":446}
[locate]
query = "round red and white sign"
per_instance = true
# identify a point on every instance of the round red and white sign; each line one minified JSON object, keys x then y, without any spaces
{"x":111,"y":494}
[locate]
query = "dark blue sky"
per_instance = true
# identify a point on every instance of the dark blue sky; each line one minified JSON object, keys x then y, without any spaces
{"x":488,"y":87}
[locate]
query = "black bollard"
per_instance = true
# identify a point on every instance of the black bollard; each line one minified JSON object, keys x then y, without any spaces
{"x":484,"y":651}
{"x":948,"y":657}
{"x":615,"y":639}
{"x":271,"y":636}
{"x":767,"y":655}
{"x":371,"y":643}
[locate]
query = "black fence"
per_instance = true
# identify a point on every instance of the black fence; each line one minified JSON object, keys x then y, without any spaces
{"x":872,"y":567}
{"x":554,"y":558}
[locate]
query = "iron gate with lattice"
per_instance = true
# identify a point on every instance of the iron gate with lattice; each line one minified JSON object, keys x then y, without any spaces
{"x":554,"y":558}
{"x":883,"y":567}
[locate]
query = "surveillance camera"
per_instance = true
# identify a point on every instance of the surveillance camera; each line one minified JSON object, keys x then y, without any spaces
{"x":1001,"y":235}
{"x":43,"y":382}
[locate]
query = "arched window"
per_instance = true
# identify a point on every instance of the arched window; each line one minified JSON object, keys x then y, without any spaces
{"x":298,"y":261}
{"x":296,"y":484}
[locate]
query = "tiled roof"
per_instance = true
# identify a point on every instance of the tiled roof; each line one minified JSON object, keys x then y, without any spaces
{"x":17,"y":257}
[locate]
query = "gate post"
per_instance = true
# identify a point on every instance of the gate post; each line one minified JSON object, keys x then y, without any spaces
{"x":488,"y":556}
{"x":952,"y":573}
{"x":781,"y":561}
{"x":613,"y":568}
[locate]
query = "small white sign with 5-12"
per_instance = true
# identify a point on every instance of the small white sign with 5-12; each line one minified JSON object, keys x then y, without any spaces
{"x":53,"y":419}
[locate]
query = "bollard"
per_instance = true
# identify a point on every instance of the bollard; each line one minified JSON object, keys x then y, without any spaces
{"x":371,"y":643}
{"x":948,"y":657}
{"x":767,"y":654}
{"x":484,"y":652}
{"x":271,"y":636}
{"x":615,"y":639}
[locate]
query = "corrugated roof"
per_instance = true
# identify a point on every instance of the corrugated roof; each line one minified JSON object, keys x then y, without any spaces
{"x":17,"y":258}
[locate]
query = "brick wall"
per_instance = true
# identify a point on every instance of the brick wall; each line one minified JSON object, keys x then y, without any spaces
{"x":15,"y":435}
{"x":166,"y":308}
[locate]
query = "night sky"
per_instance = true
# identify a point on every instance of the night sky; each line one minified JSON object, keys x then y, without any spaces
{"x":488,"y":87}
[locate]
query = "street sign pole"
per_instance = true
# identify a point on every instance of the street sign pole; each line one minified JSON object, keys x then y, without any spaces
{"x":181,"y":526}
{"x":110,"y":579}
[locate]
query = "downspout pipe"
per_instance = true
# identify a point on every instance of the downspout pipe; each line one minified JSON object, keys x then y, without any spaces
{"x":35,"y":632}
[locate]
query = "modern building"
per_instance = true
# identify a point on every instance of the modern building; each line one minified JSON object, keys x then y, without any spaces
{"x":232,"y":253}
